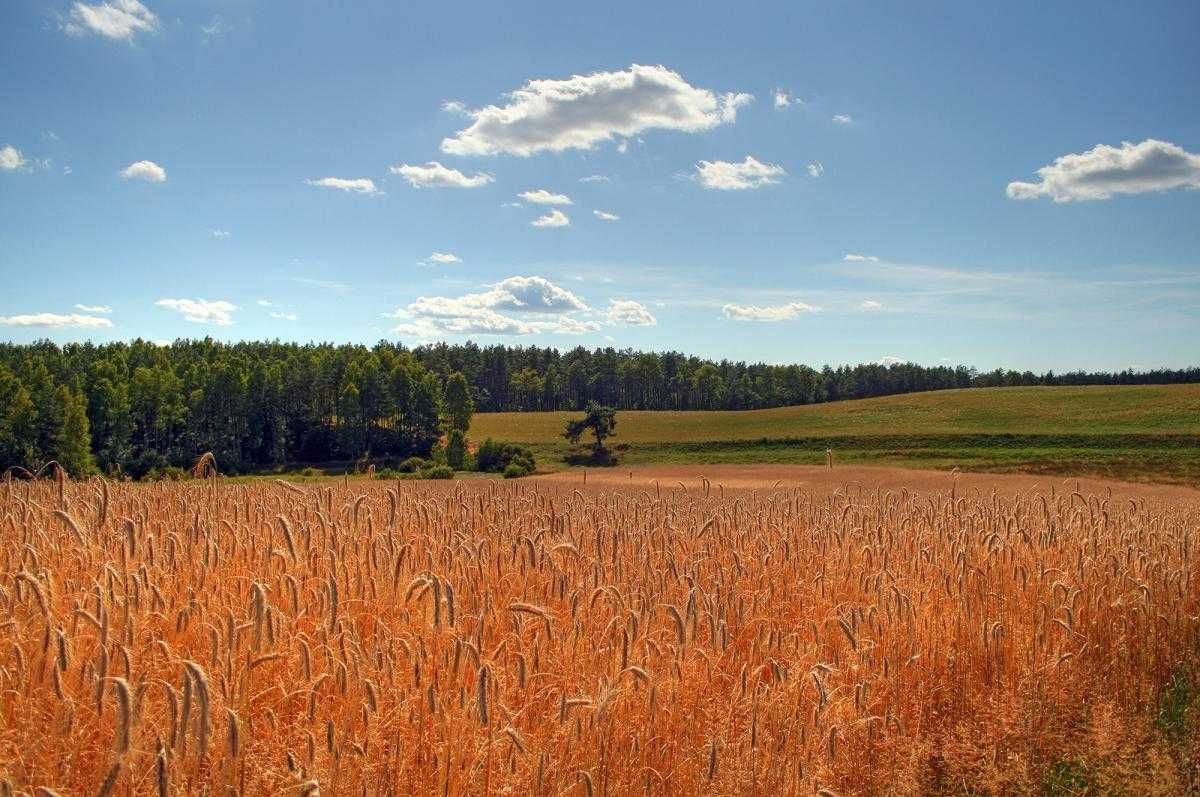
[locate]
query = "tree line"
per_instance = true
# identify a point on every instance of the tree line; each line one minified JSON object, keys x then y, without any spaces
{"x":517,"y":378}
{"x":131,"y":408}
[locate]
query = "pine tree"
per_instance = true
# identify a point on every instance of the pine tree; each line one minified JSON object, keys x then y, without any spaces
{"x":72,"y":440}
{"x":459,"y":406}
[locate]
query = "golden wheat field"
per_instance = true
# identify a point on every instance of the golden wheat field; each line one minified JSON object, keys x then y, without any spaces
{"x":393,"y":638}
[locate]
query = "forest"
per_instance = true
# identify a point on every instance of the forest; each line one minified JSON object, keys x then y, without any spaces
{"x":134,"y":408}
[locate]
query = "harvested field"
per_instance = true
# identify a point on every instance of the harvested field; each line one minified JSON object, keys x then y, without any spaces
{"x":856,"y":631}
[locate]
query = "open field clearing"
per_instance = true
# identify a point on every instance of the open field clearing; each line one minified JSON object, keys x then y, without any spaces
{"x":529,"y":637}
{"x":1146,"y":433}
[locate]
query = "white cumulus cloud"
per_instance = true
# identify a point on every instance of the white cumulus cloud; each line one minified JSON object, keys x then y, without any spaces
{"x":515,"y":306}
{"x":582,"y":111}
{"x":444,"y":257}
{"x":201,"y":311}
{"x":555,"y":218}
{"x":11,"y":158}
{"x":627,"y":312}
{"x":1102,"y":171}
{"x":148,"y":171}
{"x":357,"y":185}
{"x":543,"y":197}
{"x":726,"y":176}
{"x":782,"y":98}
{"x":55,"y":321}
{"x":815,"y":169}
{"x":118,"y":19}
{"x":435,"y":175}
{"x":94,"y":308}
{"x":781,"y":312}
{"x":606,"y":216}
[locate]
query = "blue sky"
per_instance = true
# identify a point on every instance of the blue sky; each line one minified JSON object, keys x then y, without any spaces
{"x":793,"y":182}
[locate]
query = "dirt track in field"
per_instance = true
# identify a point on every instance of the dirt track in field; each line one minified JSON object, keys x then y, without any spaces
{"x":822,"y":480}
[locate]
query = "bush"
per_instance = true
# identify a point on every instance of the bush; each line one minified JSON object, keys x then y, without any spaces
{"x":495,"y":457}
{"x":310,"y":472}
{"x":514,"y":471}
{"x":167,"y":473}
{"x":411,"y":465}
{"x":438,"y":472}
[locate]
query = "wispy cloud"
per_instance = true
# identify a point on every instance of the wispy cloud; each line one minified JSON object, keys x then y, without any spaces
{"x":55,"y":321}
{"x":94,"y":308}
{"x":356,"y":185}
{"x":435,"y":175}
{"x":582,"y":111}
{"x":543,"y":197}
{"x":555,"y":218}
{"x":328,"y":285}
{"x":118,"y":19}
{"x":782,"y":312}
{"x":726,"y":176}
{"x":606,"y":216}
{"x":201,"y":311}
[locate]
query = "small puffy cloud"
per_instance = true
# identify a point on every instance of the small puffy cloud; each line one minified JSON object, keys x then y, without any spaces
{"x":118,"y":19}
{"x":538,"y":304}
{"x":782,"y":98}
{"x":1103,"y":171}
{"x":149,"y":171}
{"x":55,"y":321}
{"x":870,"y":304}
{"x":889,"y":360}
{"x":453,"y":106}
{"x":544,"y":197}
{"x":94,"y":308}
{"x":282,"y":316}
{"x":606,"y":216}
{"x":627,"y":312}
{"x":781,"y":312}
{"x":221,"y":233}
{"x":582,"y":111}
{"x":815,"y":169}
{"x":853,"y":257}
{"x":11,"y":158}
{"x":265,"y":303}
{"x":726,"y":176}
{"x":555,"y":218}
{"x":594,"y":178}
{"x":358,"y":185}
{"x":842,"y":119}
{"x":435,"y":175}
{"x":201,"y":311}
{"x":444,"y":257}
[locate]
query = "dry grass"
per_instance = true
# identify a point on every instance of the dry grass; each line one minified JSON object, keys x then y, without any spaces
{"x":400,"y":638}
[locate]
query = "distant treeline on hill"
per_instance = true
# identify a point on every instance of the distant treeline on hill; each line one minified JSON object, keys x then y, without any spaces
{"x":136,"y":407}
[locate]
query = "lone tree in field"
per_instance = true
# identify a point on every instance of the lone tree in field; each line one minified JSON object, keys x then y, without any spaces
{"x":599,"y":419}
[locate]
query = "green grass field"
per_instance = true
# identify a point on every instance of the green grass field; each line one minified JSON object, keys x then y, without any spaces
{"x":1140,"y":432}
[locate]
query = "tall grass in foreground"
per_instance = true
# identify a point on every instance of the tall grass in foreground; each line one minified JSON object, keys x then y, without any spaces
{"x":401,"y":638}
